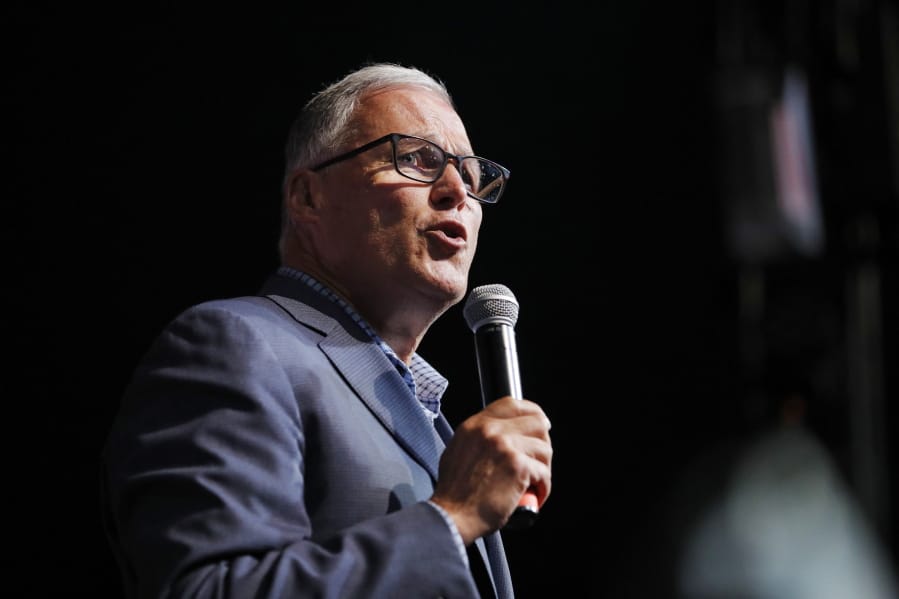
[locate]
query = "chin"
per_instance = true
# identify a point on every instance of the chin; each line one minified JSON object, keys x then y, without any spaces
{"x":450,"y":288}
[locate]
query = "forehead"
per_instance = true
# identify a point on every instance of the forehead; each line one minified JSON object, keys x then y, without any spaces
{"x":413,"y":111}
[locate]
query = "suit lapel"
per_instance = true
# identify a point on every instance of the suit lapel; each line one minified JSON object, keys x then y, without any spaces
{"x":364,"y":366}
{"x":385,"y":392}
{"x":380,"y":386}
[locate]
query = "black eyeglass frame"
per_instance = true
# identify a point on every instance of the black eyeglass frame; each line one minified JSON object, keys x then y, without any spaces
{"x":447,"y":156}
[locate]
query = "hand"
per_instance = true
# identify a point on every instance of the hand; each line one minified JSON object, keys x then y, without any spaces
{"x":493,"y":458}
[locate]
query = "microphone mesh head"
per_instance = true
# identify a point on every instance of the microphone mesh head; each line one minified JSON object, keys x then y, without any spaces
{"x":490,"y":304}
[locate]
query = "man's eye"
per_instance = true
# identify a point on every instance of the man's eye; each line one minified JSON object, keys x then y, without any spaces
{"x":407,"y":159}
{"x":422,"y":159}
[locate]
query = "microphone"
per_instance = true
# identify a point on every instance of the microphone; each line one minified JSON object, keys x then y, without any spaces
{"x":491,"y":312}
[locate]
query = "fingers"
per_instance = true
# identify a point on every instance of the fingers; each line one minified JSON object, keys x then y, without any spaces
{"x":525,"y":418}
{"x":509,"y":406}
{"x":533,"y":453}
{"x":494,"y":457}
{"x":525,"y":425}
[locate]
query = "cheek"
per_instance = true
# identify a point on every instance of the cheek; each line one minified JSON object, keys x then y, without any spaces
{"x":397,"y":213}
{"x":386,"y":228}
{"x":475,"y":228}
{"x":352,"y":209}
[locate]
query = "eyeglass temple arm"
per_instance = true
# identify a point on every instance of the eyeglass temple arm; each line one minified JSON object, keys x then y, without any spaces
{"x":489,"y":187}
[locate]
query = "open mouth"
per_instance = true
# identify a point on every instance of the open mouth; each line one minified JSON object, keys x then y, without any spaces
{"x":452,"y":229}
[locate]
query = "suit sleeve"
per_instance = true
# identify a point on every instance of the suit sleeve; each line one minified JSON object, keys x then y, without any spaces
{"x":204,"y":476}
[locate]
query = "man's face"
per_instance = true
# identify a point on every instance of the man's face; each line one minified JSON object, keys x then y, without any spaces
{"x":384,"y":237}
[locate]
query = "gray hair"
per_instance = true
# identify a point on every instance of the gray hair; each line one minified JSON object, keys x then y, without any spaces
{"x":326,"y":120}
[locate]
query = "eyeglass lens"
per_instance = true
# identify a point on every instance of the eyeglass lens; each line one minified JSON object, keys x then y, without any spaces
{"x":424,"y":161}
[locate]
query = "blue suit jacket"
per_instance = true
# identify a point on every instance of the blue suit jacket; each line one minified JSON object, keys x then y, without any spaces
{"x":267,"y":448}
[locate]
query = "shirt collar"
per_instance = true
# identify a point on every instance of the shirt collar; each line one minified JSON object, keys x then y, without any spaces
{"x":425,"y":382}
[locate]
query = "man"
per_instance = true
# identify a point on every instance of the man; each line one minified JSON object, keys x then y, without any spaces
{"x":290,"y":444}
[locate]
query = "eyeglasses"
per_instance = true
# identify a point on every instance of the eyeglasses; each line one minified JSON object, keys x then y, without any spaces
{"x":424,"y":161}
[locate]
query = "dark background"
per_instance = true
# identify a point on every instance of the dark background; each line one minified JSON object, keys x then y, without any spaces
{"x":143,"y":155}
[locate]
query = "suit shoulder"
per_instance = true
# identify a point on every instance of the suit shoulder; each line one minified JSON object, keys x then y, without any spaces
{"x":253,"y":310}
{"x":259,"y":312}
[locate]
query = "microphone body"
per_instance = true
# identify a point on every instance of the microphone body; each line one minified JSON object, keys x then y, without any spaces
{"x":491,"y":312}
{"x":497,"y":361}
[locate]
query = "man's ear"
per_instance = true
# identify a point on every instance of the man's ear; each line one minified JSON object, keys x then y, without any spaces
{"x":301,"y":203}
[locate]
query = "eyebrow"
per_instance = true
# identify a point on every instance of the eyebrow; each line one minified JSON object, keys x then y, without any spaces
{"x":434,"y":137}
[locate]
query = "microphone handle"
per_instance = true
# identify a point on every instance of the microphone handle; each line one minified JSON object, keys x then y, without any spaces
{"x":497,"y":359}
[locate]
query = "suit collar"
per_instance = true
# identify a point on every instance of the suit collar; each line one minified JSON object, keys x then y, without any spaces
{"x":364,"y":366}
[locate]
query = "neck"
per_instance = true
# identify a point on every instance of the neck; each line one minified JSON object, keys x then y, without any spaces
{"x":400,"y":317}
